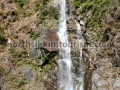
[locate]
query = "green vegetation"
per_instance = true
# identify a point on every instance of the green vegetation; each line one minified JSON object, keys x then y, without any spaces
{"x":1,"y":31}
{"x":20,"y":3}
{"x":34,"y":35}
{"x":2,"y":71}
{"x":38,"y":7}
{"x":21,"y":11}
{"x":44,"y":2}
{"x":76,"y":3}
{"x":46,"y":60}
{"x":50,"y":13}
{"x":40,"y":65}
{"x":21,"y":82}
{"x":20,"y":89}
{"x":14,"y":16}
{"x":2,"y":38}
{"x":19,"y":54}
{"x":119,"y":17}
{"x":96,"y":14}
{"x":97,"y":8}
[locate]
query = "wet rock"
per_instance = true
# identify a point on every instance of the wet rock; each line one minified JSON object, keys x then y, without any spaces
{"x":71,"y":25}
{"x":82,"y":23}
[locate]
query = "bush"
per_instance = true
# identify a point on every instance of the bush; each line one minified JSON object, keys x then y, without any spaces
{"x":2,"y":71}
{"x":20,"y":3}
{"x":118,"y":17}
{"x":20,"y":89}
{"x":38,"y":7}
{"x":3,"y":40}
{"x":18,"y":54}
{"x":21,"y":82}
{"x":14,"y":18}
{"x":34,"y":35}
{"x":45,"y":1}
{"x":1,"y":31}
{"x":48,"y":13}
{"x":76,"y":3}
{"x":98,"y":11}
{"x":53,"y":12}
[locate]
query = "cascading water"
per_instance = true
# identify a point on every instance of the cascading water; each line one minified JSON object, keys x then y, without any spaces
{"x":64,"y":62}
{"x":80,"y":41}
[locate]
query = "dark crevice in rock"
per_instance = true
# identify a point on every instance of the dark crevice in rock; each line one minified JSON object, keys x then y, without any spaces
{"x":88,"y":80}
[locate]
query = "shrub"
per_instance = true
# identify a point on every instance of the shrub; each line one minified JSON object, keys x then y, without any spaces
{"x":20,"y":3}
{"x":38,"y":7}
{"x":48,"y":13}
{"x":20,"y":89}
{"x":45,"y":1}
{"x":1,"y":31}
{"x":21,"y":82}
{"x":76,"y":3}
{"x":118,"y":17}
{"x":18,"y":54}
{"x":2,"y":71}
{"x":3,"y":40}
{"x":34,"y":35}
{"x":53,"y":12}
{"x":14,"y":18}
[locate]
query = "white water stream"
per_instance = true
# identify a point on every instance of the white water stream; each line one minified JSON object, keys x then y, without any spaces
{"x":80,"y":41}
{"x":66,"y":81}
{"x":64,"y":62}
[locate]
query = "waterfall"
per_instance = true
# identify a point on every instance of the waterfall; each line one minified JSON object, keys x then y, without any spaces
{"x":64,"y":62}
{"x":65,"y":79}
{"x":80,"y":41}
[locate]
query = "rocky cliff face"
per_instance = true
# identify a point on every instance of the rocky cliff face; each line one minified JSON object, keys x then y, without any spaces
{"x":101,"y":26}
{"x":24,"y":65}
{"x":26,"y":61}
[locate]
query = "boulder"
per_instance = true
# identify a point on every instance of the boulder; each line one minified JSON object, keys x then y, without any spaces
{"x":51,"y":41}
